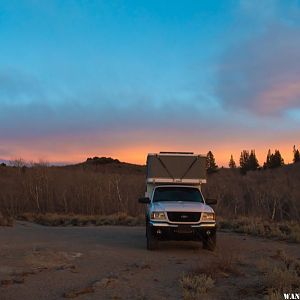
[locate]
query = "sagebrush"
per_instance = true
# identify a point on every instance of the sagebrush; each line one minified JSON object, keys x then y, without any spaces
{"x":114,"y":187}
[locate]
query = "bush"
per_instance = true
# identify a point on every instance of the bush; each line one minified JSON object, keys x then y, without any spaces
{"x":282,"y":276}
{"x":82,"y":220}
{"x":289,"y":231}
{"x":112,"y":187}
{"x":271,"y":194}
{"x":194,"y":286}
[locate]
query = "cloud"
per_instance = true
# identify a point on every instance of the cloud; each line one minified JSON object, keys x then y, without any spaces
{"x":262,"y":74}
{"x":123,"y":124}
{"x":280,"y":97}
{"x":79,"y":112}
{"x":17,"y":88}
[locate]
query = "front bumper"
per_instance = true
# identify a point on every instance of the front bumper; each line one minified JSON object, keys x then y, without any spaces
{"x":170,"y":231}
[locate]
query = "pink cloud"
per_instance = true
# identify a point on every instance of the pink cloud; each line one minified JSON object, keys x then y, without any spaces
{"x":262,"y":74}
{"x":279,"y":97}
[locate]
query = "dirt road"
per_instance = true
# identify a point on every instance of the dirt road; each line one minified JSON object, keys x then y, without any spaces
{"x":107,"y":262}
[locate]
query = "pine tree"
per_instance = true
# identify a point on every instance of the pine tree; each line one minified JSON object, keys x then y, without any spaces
{"x":267,"y":164}
{"x":276,"y":160}
{"x":211,"y":165}
{"x":232,"y":164}
{"x":296,"y":155}
{"x":244,"y":161}
{"x":253,"y":162}
{"x":248,"y":161}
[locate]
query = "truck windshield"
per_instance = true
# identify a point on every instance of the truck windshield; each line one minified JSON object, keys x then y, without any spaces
{"x":186,"y":194}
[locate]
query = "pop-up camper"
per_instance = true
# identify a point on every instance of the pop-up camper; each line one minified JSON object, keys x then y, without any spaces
{"x":175,"y":206}
{"x":183,"y":168}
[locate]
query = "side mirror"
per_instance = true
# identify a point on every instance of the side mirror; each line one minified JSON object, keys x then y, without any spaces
{"x":144,"y":200}
{"x":211,"y":201}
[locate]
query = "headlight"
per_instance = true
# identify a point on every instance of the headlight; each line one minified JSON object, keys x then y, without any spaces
{"x":208,"y":217}
{"x":158,"y":215}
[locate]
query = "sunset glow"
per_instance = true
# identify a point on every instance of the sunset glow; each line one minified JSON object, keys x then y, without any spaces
{"x":121,"y":79}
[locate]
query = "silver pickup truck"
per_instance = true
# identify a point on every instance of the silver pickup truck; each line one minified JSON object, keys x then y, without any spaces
{"x":175,"y":206}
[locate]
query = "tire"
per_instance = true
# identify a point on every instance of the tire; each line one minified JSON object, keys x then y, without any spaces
{"x":210,"y":241}
{"x":152,"y":242}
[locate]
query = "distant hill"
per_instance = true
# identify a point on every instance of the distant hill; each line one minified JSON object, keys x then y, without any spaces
{"x":4,"y":161}
{"x":101,"y":160}
{"x":109,"y":165}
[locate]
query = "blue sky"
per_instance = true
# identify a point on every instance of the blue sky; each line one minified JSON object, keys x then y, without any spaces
{"x":123,"y":78}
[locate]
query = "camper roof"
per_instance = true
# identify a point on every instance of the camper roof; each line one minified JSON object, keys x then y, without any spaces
{"x":176,"y":167}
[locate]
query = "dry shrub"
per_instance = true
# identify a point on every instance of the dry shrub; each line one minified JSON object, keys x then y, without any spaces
{"x":283,"y":279}
{"x":121,"y":219}
{"x":226,"y":263}
{"x":223,"y":265}
{"x":282,"y":275}
{"x":202,"y":279}
{"x":274,"y":295}
{"x":195,"y":285}
{"x":83,"y":220}
{"x":109,"y":187}
{"x":289,"y":231}
{"x":80,"y":190}
{"x":271,"y":194}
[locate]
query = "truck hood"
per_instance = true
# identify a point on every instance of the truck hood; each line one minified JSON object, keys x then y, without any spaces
{"x":180,"y":206}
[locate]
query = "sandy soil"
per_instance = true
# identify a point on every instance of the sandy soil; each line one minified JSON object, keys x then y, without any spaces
{"x":108,"y":262}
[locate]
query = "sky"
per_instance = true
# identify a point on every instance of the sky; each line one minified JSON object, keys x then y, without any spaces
{"x":123,"y":78}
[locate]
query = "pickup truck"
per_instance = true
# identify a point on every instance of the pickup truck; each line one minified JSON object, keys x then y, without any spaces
{"x":175,"y":206}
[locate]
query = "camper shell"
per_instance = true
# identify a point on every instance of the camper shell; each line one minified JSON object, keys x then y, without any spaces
{"x":175,"y":206}
{"x":184,"y":168}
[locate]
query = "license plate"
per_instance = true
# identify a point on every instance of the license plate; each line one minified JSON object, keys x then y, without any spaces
{"x":184,"y":229}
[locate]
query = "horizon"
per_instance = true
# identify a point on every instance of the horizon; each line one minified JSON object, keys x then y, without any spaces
{"x":83,"y":79}
{"x":261,"y":160}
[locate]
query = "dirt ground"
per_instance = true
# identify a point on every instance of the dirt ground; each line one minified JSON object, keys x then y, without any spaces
{"x":111,"y":262}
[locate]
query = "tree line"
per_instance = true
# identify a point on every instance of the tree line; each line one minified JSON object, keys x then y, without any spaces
{"x":249,"y":162}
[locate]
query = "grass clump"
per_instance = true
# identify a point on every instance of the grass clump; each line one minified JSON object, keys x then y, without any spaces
{"x":82,"y":220}
{"x":282,"y":275}
{"x":287,"y":231}
{"x":224,"y":265}
{"x":201,"y":280}
{"x":195,"y":285}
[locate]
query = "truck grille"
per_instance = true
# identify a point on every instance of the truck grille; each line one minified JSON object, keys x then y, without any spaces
{"x":184,"y":216}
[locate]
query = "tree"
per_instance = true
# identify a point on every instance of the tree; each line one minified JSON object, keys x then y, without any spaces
{"x":276,"y":160}
{"x":211,"y":165}
{"x":267,"y":164}
{"x":248,"y":161}
{"x":232,"y":164}
{"x":253,"y":162}
{"x":244,"y":161}
{"x":296,"y":155}
{"x":18,"y":163}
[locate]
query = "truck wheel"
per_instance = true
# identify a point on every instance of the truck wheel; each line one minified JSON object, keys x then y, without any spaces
{"x":152,"y":242}
{"x":210,"y":241}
